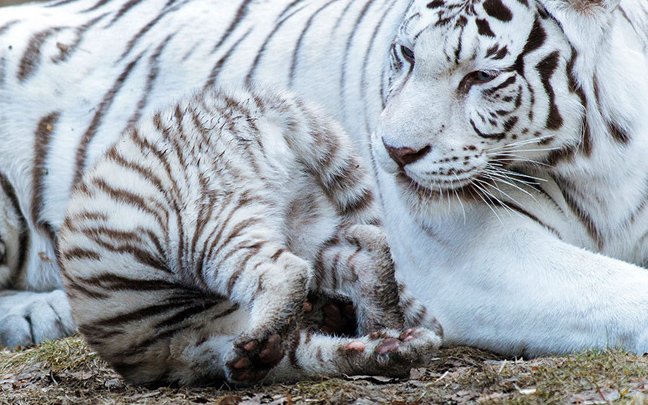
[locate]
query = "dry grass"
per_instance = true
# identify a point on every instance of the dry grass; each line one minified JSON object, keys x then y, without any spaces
{"x":67,"y":372}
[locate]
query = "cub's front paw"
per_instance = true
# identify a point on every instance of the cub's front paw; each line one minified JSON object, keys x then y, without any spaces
{"x":250,"y":360}
{"x":29,"y":318}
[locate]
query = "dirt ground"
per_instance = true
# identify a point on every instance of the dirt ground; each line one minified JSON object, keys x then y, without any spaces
{"x":67,"y":372}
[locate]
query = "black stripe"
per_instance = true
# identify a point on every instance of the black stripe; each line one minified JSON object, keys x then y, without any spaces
{"x":496,"y":136}
{"x":73,"y":289}
{"x":240,"y":15}
{"x":215,"y":234}
{"x":127,"y":197}
{"x":131,"y":44}
{"x":221,"y":62}
{"x":139,"y":255}
{"x":3,"y":70}
{"x":497,"y":9}
{"x":546,"y":69}
{"x":79,"y":253}
{"x":586,"y":137}
{"x":103,"y":107}
{"x":291,"y":5}
{"x":59,"y":3}
{"x":483,"y":28}
{"x":7,"y":26}
{"x":618,"y":133}
{"x":42,"y":138}
{"x":122,"y":11}
{"x":535,"y":40}
{"x":297,"y":48}
{"x":564,"y":154}
{"x":347,"y":50}
{"x":583,"y":216}
{"x":100,"y":3}
{"x":68,"y":50}
{"x":23,"y":239}
{"x":508,"y":82}
{"x":365,"y":63}
{"x":205,"y":214}
{"x":154,"y":70}
{"x":32,"y":55}
{"x":340,"y":18}
{"x":114,"y":282}
{"x":261,"y":52}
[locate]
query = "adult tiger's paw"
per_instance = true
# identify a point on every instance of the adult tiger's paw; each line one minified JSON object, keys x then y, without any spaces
{"x":29,"y":318}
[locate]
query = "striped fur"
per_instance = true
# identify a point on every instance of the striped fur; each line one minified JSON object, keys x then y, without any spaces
{"x":189,"y":249}
{"x":515,"y":128}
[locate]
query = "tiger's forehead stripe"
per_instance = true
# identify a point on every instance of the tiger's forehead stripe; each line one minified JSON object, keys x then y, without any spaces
{"x":497,"y":9}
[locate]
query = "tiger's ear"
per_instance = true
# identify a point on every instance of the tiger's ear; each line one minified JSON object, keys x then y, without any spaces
{"x":584,"y":22}
{"x":583,"y":8}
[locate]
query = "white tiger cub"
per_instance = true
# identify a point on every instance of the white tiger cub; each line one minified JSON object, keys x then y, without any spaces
{"x":188,"y":250}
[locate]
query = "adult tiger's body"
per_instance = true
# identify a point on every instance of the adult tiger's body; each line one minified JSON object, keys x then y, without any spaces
{"x":503,"y":271}
{"x":512,"y":152}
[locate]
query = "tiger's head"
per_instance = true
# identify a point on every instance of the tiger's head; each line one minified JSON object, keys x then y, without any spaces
{"x":474,"y":90}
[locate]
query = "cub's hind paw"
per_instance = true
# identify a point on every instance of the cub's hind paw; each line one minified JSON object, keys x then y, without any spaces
{"x":393,"y":353}
{"x":250,"y":359}
{"x":331,"y":315}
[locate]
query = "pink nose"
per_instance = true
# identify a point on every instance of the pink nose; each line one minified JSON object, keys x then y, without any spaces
{"x":406,"y":155}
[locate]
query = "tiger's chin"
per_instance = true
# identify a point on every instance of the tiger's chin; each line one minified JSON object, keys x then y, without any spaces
{"x":438,"y":190}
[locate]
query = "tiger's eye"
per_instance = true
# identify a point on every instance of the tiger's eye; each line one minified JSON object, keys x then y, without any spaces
{"x":408,"y":54}
{"x":484,"y":76}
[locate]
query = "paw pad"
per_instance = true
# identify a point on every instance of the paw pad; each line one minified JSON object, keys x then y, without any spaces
{"x":252,"y":359}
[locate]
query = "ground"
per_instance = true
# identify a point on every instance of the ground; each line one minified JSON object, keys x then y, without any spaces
{"x":67,"y":372}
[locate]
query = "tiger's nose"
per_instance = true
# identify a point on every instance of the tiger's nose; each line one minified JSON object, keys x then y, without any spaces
{"x":406,"y":155}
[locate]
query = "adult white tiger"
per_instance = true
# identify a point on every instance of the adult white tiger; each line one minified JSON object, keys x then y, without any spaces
{"x":467,"y":94}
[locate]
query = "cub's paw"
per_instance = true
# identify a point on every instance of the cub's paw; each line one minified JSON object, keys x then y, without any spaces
{"x":250,"y":360}
{"x":29,"y":318}
{"x":331,"y":315}
{"x":392,"y":353}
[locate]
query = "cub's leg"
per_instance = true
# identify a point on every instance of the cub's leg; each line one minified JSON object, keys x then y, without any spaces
{"x":272,"y":285}
{"x":357,"y":262}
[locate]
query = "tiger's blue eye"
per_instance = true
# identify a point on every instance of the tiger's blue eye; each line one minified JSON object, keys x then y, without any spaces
{"x":408,"y":54}
{"x":485,"y":76}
